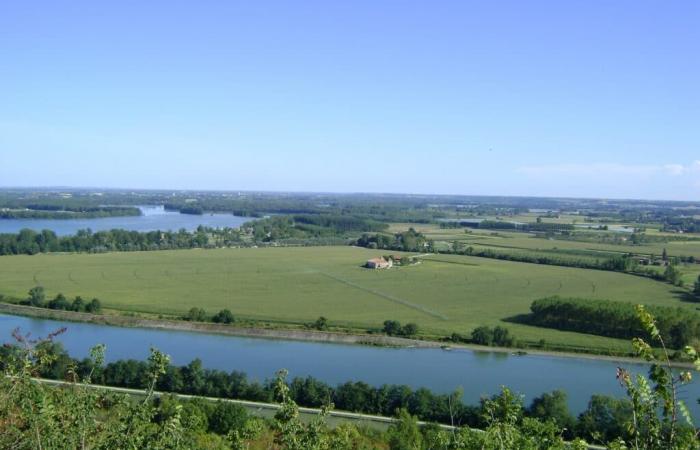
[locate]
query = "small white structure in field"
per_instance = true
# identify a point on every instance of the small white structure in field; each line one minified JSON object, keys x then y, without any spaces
{"x":378,"y":263}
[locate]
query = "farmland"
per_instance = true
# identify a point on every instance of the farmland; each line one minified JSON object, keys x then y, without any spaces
{"x":443,"y":294}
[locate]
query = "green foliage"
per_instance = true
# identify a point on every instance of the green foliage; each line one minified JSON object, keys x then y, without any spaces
{"x":553,"y":406}
{"x":394,"y":328}
{"x":223,"y":316}
{"x":290,"y":432}
{"x":673,"y":275}
{"x":196,"y":315}
{"x":498,"y":336}
{"x":59,"y":302}
{"x":94,"y":307}
{"x":305,"y":226}
{"x":405,"y":434}
{"x":34,"y":415}
{"x":30,"y":242}
{"x":37,"y":296}
{"x":408,"y":241}
{"x":228,"y":418}
{"x":615,"y":319}
{"x":320,"y":324}
{"x":657,"y":410}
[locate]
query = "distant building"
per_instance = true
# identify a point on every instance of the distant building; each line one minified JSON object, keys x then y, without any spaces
{"x":378,"y":263}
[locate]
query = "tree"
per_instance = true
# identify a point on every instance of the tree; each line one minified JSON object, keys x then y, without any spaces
{"x":196,"y":315}
{"x":502,"y":337}
{"x":94,"y":306}
{"x":664,"y":255}
{"x":59,"y":302}
{"x":553,"y":405}
{"x":78,"y":304}
{"x":392,"y":327}
{"x":290,"y":432}
{"x":37,"y":296}
{"x":673,"y":275}
{"x":223,"y":316}
{"x":696,"y":290}
{"x":227,"y":417}
{"x":654,"y":421}
{"x":482,"y":336}
{"x":405,"y":434}
{"x":410,"y":329}
{"x":321,"y":324}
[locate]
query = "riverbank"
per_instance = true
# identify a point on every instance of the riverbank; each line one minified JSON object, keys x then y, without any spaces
{"x":132,"y":321}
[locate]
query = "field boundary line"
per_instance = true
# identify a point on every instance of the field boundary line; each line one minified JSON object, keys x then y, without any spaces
{"x":386,"y":296}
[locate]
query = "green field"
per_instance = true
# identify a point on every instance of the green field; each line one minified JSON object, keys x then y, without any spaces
{"x":443,"y":294}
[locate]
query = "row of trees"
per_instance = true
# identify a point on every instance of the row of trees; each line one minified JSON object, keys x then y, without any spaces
{"x":30,"y":242}
{"x":199,"y":315}
{"x":359,"y":397}
{"x":407,"y":241}
{"x":305,"y":226}
{"x":679,"y":327}
{"x":394,"y":328}
{"x":539,"y":226}
{"x":493,"y":337}
{"x":52,"y":211}
{"x":37,"y":298}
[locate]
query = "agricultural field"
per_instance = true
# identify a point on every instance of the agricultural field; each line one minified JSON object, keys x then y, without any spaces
{"x":443,"y":294}
{"x":522,"y":243}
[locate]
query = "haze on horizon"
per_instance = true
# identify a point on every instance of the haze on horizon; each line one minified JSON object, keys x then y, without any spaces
{"x":542,"y":98}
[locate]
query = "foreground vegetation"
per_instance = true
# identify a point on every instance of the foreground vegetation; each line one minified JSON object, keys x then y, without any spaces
{"x":36,"y":415}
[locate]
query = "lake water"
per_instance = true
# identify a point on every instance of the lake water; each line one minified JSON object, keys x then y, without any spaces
{"x":478,"y":373}
{"x":152,"y":218}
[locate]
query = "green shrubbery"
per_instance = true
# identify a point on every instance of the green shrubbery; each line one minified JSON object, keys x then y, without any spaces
{"x":679,"y":327}
{"x":37,"y":298}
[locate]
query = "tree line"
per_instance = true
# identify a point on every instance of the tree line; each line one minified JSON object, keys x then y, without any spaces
{"x":37,"y":298}
{"x":679,"y":327}
{"x":407,"y":241}
{"x":30,"y":242}
{"x":304,"y":226}
{"x":605,"y":418}
{"x":41,"y":211}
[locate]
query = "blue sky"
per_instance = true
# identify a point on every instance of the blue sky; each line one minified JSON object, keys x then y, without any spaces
{"x":572,"y":98}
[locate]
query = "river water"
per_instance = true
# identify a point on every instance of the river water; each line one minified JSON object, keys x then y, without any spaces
{"x":478,"y":373}
{"x":152,"y":218}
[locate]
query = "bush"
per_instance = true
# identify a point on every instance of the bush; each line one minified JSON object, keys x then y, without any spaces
{"x":498,"y":336}
{"x":223,"y":316}
{"x":196,"y":315}
{"x":94,"y":306}
{"x":394,"y":328}
{"x":59,"y":302}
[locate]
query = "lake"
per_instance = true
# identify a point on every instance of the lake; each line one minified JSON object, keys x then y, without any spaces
{"x":152,"y":218}
{"x":478,"y":373}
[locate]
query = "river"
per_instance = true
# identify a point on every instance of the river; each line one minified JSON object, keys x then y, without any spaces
{"x":478,"y":373}
{"x":152,"y":218}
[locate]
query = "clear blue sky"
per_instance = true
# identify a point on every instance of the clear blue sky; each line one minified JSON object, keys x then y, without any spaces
{"x":557,"y":98}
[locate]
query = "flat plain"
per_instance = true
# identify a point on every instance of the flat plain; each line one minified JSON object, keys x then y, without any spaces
{"x":443,"y":294}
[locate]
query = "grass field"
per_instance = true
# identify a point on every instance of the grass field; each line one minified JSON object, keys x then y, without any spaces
{"x":443,"y":294}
